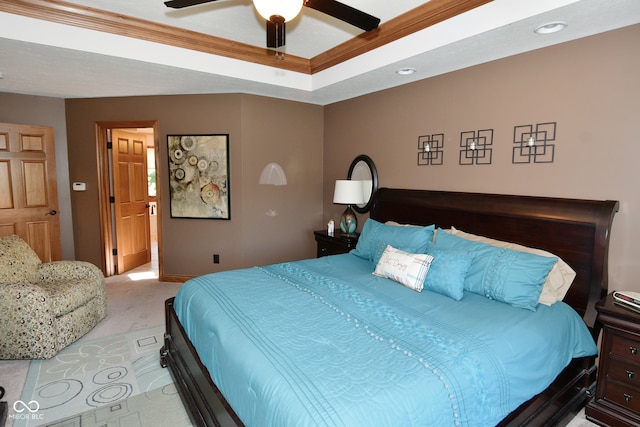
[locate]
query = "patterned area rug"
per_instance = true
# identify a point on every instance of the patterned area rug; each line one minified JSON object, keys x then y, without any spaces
{"x":110,"y":381}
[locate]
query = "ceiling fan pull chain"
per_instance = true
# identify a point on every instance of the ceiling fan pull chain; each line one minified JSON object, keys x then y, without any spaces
{"x":279,"y":33}
{"x":278,"y":41}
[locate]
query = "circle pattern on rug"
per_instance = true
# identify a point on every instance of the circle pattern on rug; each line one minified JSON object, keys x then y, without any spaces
{"x":109,"y":393}
{"x":57,"y":393}
{"x":111,"y":374}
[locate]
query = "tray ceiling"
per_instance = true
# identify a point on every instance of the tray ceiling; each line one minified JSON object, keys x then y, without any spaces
{"x":103,"y":48}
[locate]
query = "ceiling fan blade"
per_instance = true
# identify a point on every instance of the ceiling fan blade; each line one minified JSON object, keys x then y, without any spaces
{"x":345,"y":13}
{"x":179,"y":4}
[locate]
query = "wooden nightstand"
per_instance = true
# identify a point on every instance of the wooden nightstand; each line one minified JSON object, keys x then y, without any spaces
{"x":617,"y":400}
{"x":336,"y":244}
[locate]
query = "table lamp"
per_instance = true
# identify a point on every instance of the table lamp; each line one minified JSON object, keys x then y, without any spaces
{"x":348,"y":192}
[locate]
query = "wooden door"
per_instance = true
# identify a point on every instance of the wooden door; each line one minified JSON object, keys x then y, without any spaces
{"x":28,"y":188}
{"x":130,"y":188}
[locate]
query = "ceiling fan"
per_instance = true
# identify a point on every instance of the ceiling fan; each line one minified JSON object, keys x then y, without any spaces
{"x":278,"y":12}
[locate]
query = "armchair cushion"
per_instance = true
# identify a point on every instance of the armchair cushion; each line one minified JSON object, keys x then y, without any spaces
{"x":18,"y":262}
{"x":69,"y":284}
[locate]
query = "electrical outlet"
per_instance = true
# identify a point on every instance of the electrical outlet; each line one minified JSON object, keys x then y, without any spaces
{"x":216,"y":258}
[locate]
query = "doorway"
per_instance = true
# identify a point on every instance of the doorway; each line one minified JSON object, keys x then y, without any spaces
{"x":129,"y":195}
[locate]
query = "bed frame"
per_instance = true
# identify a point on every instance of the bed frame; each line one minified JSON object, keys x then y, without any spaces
{"x":575,"y":230}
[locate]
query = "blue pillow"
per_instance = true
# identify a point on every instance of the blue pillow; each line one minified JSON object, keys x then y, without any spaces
{"x":375,"y":237}
{"x":502,"y":274}
{"x":480,"y":251}
{"x":447,"y":271}
{"x":516,"y":277}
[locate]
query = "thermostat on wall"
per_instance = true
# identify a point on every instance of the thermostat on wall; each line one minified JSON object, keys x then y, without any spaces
{"x":79,"y":186}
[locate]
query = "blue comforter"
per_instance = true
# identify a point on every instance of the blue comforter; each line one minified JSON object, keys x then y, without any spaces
{"x":324,"y":342}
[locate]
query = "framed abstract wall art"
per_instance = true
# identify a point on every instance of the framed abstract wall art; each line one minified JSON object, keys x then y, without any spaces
{"x":199,"y":176}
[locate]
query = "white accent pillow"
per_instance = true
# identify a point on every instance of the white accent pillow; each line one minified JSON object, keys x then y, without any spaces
{"x":406,"y":268}
{"x":558,"y":280}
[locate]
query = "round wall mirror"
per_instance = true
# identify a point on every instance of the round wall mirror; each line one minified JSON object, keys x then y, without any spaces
{"x":363,"y":169}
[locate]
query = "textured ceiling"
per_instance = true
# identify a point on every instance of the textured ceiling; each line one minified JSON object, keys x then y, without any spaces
{"x":41,"y":57}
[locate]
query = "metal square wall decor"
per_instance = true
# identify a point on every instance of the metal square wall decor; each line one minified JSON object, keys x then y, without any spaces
{"x":532,"y":145}
{"x":475,"y":147}
{"x":430,"y":149}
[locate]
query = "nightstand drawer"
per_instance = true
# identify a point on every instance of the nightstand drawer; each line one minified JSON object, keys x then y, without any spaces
{"x":626,"y":347}
{"x":626,"y":373}
{"x":623,"y":395}
{"x":334,"y":244}
{"x":328,"y":248}
{"x":617,"y":399}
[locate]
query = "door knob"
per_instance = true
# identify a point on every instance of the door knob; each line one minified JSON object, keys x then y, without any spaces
{"x":52,"y":212}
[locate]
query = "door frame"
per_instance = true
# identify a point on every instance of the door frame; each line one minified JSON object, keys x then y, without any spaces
{"x":104,"y":190}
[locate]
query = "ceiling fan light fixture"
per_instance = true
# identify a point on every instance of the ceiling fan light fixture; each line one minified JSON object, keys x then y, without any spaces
{"x":288,"y":9}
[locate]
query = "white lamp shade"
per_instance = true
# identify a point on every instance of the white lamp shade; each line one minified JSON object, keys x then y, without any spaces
{"x":288,"y":9}
{"x":348,"y":192}
{"x":273,"y":174}
{"x":367,"y":188}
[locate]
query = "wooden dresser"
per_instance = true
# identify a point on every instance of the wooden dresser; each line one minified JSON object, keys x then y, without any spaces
{"x":617,"y":399}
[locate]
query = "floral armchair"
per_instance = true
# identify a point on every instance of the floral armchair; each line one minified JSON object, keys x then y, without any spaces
{"x":45,"y":306}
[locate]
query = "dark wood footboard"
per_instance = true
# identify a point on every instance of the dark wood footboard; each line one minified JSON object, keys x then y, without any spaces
{"x":202,"y":399}
{"x":570,"y":391}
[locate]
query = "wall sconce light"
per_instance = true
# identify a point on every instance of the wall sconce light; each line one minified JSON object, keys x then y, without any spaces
{"x":273,"y":174}
{"x":476,"y":147}
{"x":534,"y":143}
{"x":348,"y":192}
{"x":430,"y":149}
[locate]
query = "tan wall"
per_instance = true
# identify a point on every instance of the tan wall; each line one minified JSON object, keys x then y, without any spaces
{"x":255,"y":138}
{"x":290,"y":135}
{"x":589,"y":87}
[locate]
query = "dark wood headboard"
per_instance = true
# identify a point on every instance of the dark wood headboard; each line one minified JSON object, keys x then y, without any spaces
{"x":575,"y":230}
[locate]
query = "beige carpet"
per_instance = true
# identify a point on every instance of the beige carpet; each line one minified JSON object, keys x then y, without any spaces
{"x":580,"y":421}
{"x":135,"y":301}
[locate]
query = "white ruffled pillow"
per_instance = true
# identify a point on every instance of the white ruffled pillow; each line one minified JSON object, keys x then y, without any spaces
{"x":406,"y":268}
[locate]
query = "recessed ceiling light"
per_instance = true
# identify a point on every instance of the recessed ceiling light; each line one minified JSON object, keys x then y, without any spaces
{"x":405,"y":71}
{"x":551,"y":27}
